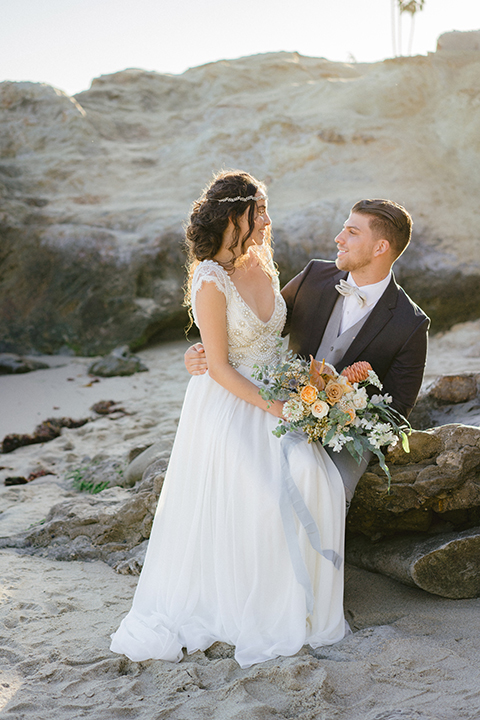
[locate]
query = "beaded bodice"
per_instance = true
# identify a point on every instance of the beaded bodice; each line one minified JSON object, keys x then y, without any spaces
{"x":250,"y":340}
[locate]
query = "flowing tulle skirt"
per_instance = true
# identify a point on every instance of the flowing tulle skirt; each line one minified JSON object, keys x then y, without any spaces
{"x":228,"y":559}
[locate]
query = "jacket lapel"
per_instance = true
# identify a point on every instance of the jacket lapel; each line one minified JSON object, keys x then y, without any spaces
{"x":323,"y":308}
{"x":378,"y":318}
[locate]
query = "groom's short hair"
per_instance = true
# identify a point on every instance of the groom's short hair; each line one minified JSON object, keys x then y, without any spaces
{"x":389,"y":221}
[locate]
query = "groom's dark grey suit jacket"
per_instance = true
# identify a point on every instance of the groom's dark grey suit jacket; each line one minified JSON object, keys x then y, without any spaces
{"x":393,"y":339}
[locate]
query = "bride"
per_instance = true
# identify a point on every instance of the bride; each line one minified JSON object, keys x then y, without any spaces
{"x":247,"y":542}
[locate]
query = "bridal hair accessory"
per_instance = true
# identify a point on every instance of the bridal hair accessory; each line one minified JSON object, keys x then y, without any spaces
{"x":243,"y":199}
{"x":344,"y":288}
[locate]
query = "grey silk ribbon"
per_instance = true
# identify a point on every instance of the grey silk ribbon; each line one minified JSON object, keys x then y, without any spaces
{"x":292,"y":501}
{"x":344,"y":288}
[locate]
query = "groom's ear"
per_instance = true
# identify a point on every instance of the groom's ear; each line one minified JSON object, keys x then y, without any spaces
{"x":382,"y":246}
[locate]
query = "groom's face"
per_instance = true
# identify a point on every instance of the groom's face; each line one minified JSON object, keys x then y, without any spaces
{"x":355,"y":244}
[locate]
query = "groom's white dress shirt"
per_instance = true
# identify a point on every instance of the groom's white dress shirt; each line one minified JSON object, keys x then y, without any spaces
{"x":352,"y":312}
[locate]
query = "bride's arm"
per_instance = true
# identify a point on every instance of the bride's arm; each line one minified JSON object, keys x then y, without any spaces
{"x":210,"y":307}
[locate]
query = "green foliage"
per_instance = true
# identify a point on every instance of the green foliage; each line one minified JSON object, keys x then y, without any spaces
{"x":35,"y":524}
{"x":82,"y":483}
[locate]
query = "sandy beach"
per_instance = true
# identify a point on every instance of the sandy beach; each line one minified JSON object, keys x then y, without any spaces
{"x":412,"y":656}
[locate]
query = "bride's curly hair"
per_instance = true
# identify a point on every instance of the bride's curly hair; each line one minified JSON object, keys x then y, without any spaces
{"x":209,"y":220}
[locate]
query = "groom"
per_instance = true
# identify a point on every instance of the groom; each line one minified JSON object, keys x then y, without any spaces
{"x":352,"y":309}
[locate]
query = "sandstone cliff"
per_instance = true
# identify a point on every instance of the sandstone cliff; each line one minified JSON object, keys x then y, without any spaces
{"x":95,"y":188}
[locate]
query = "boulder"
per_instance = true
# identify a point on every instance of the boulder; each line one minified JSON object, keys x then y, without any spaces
{"x":447,"y":564}
{"x":11,"y":364}
{"x":425,"y":531}
{"x":448,"y":399}
{"x":119,"y":362}
{"x":435,"y":486}
{"x":96,"y":188}
{"x":149,"y":460}
{"x":454,"y":389}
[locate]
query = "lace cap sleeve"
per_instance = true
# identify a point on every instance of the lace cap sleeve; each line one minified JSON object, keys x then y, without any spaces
{"x":208,"y":271}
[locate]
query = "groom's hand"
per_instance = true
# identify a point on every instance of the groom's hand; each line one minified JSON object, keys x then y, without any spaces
{"x":195,"y":360}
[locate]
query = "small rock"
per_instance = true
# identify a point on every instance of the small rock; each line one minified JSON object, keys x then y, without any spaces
{"x":17,"y":480}
{"x":47,"y":430}
{"x":39,"y":473}
{"x":135,"y":471}
{"x":118,"y":362}
{"x":454,"y":388}
{"x":15,"y":364}
{"x":106,"y":407}
{"x":132,"y":564}
{"x":136,"y":451}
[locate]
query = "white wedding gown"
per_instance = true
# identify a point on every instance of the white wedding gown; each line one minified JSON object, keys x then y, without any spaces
{"x":231,"y":555}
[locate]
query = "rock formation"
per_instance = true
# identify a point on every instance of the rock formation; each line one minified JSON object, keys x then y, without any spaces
{"x":434,"y":487}
{"x":111,"y":526}
{"x":446,"y":564}
{"x":95,"y":188}
{"x":426,"y":531}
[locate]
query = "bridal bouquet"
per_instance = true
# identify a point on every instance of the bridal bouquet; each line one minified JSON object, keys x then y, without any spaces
{"x":333,"y":407}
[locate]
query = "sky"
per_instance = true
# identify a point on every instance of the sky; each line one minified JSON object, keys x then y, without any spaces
{"x":66,"y":43}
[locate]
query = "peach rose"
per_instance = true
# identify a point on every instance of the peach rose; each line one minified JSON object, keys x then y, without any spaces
{"x":309,"y":394}
{"x":319,"y":409}
{"x":334,"y":392}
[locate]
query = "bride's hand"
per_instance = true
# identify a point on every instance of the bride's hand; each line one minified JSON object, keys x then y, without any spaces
{"x":195,"y":360}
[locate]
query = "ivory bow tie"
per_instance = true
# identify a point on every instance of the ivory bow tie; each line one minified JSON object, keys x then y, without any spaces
{"x":344,"y":288}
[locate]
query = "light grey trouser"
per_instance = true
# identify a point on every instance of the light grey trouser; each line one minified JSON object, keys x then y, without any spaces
{"x":349,"y":469}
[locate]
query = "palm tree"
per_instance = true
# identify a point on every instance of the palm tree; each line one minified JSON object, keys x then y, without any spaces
{"x":403,"y":6}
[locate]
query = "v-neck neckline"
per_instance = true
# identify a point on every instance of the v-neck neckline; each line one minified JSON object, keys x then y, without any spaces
{"x":264,"y":322}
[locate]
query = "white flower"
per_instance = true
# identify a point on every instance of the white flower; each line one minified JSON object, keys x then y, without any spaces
{"x":374,"y":379}
{"x":366,"y":424}
{"x":360,"y":399}
{"x":382,"y":435}
{"x":377,"y":399}
{"x":337,"y":442}
{"x":293,"y":410}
